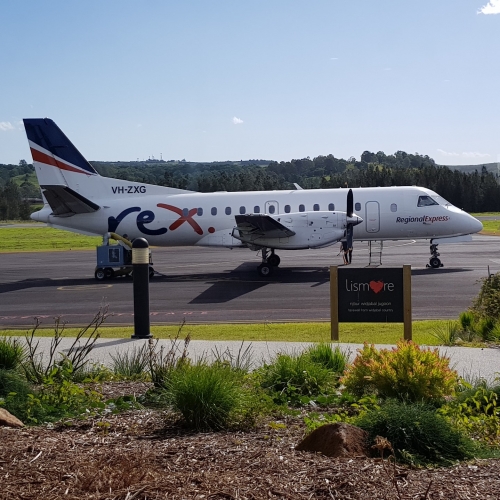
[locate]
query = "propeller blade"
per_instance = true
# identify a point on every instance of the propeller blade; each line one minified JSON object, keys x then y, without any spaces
{"x":349,"y":235}
{"x":350,"y":203}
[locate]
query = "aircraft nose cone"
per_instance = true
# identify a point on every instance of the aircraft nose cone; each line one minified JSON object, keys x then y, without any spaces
{"x":477,"y":225}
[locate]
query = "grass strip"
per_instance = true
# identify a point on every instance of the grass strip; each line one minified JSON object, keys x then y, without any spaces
{"x":36,"y":239}
{"x":355,"y":333}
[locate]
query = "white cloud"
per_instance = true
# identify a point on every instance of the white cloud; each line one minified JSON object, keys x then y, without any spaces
{"x":470,"y":154}
{"x":446,"y":153}
{"x":334,"y":58}
{"x":6,"y":126}
{"x":492,"y":7}
{"x":237,"y":121}
{"x":475,"y":155}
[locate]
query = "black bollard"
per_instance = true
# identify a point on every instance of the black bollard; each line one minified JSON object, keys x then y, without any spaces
{"x":140,"y":273}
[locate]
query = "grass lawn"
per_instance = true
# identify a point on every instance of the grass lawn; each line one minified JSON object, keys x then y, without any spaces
{"x":33,"y":239}
{"x":357,"y":333}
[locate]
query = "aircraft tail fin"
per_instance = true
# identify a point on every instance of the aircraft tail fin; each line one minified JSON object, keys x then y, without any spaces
{"x":53,"y":151}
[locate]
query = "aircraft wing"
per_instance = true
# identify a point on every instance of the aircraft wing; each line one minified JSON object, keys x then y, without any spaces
{"x":254,"y":226}
{"x":65,"y":202}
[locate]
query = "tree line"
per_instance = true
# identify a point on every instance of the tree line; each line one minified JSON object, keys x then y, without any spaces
{"x":478,"y":191}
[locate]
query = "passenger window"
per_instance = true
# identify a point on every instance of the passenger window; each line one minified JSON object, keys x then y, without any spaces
{"x":242,"y":210}
{"x":185,"y":212}
{"x":287,"y":209}
{"x":426,"y":201}
{"x":357,"y":207}
{"x":200,"y":212}
{"x":272,"y":209}
{"x":316,"y":207}
{"x":256,"y":209}
{"x":228,"y":210}
{"x":331,"y":207}
{"x":394,"y":207}
{"x":214,"y":210}
{"x":302,"y":208}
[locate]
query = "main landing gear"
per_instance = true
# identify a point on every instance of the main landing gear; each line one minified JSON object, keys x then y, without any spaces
{"x":434,"y":261}
{"x":269,"y":262}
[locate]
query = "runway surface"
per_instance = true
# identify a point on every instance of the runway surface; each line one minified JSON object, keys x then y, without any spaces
{"x":207,"y":285}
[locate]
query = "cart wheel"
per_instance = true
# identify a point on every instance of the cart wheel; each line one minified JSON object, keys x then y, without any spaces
{"x":109,"y":273}
{"x":100,"y":274}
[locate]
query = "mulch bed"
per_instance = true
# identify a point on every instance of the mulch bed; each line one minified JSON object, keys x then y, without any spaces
{"x":141,"y":455}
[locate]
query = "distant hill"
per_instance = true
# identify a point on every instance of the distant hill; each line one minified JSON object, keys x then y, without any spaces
{"x":469,"y":169}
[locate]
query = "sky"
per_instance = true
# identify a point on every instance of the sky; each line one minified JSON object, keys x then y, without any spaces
{"x":236,"y":80}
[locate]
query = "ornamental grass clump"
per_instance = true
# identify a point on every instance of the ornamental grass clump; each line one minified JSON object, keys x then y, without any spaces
{"x":406,"y":372}
{"x":207,"y":396}
{"x":12,"y":353}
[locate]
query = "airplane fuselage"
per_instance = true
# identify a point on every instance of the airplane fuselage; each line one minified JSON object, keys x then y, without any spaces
{"x":208,"y":219}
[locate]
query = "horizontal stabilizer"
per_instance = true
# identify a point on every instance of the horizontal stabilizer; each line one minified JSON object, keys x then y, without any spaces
{"x":253,"y":226}
{"x":65,"y":202}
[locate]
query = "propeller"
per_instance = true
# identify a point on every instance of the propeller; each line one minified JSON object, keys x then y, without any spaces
{"x":352,"y":220}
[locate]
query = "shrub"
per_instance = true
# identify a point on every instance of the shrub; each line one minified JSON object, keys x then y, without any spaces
{"x":417,"y":433}
{"x":11,"y":353}
{"x":485,"y":328}
{"x":14,"y":392}
{"x":207,"y":396}
{"x":476,"y":411}
{"x":333,"y":359}
{"x":295,"y":379}
{"x":405,"y":372}
{"x":487,"y":303}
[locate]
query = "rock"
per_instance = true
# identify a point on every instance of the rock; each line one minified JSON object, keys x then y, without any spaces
{"x":8,"y":420}
{"x":337,"y":440}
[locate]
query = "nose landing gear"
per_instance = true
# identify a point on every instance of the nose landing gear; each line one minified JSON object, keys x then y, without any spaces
{"x":434,"y":261}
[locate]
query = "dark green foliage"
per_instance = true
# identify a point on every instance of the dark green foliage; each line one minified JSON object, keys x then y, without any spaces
{"x":295,"y":379}
{"x":11,"y":353}
{"x":417,"y":433}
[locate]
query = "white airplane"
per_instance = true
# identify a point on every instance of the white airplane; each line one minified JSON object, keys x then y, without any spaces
{"x":77,"y":198}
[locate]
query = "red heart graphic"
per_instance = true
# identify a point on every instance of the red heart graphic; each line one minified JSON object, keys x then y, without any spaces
{"x":376,"y":286}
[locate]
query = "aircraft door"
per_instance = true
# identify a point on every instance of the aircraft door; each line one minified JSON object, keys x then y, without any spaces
{"x":272,"y":208}
{"x":372,"y":217}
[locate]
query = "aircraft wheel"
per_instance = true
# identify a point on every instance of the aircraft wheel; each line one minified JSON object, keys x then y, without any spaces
{"x":100,"y":274}
{"x":109,"y":273}
{"x":265,"y":270}
{"x":435,"y":263}
{"x":273,"y":260}
{"x":151,"y":272}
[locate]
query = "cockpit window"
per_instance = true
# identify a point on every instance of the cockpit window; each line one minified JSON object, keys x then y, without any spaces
{"x":426,"y":201}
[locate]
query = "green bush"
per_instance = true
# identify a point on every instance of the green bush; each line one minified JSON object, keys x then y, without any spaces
{"x":405,"y":372}
{"x":417,"y":433}
{"x":476,"y":411}
{"x":324,"y":354}
{"x":485,"y":328}
{"x":14,"y":390}
{"x":487,"y":303}
{"x":295,"y":379}
{"x":207,"y":396}
{"x":12,"y":353}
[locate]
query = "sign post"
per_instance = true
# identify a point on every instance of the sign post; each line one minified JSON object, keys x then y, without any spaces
{"x":366,"y":295}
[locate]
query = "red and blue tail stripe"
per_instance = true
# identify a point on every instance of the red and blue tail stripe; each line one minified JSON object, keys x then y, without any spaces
{"x":50,"y":146}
